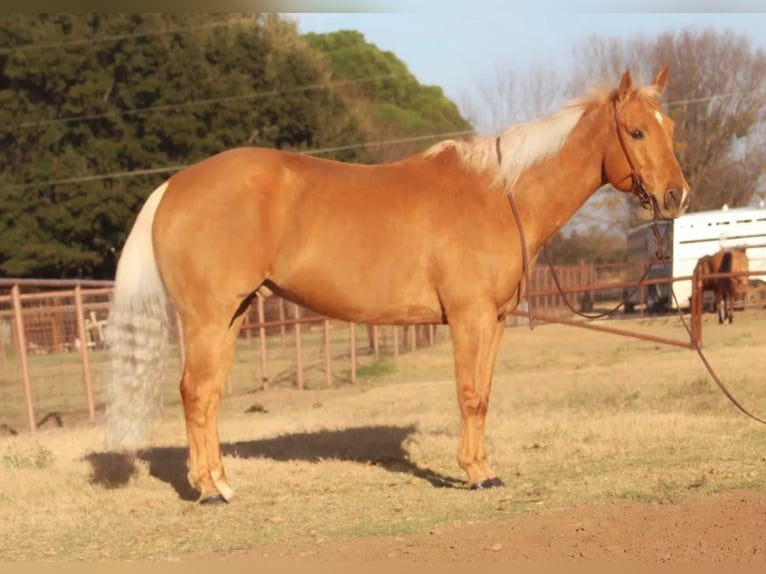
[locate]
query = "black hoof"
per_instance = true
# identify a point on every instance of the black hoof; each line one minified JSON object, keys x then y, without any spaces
{"x":488,"y":483}
{"x":213,"y":500}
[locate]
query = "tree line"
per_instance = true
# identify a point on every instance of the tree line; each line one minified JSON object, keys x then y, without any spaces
{"x":97,"y":110}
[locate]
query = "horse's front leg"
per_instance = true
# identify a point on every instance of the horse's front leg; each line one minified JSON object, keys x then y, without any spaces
{"x":719,"y":307}
{"x":730,"y":307}
{"x":481,"y":457}
{"x":476,"y":335}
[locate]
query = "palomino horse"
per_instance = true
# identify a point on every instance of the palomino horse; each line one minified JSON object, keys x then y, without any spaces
{"x":726,"y":289}
{"x":429,"y":239}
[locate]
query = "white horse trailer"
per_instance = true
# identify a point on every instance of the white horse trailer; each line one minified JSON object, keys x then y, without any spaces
{"x":690,"y":237}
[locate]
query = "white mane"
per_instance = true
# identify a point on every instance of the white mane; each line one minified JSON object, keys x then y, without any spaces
{"x":521,"y":145}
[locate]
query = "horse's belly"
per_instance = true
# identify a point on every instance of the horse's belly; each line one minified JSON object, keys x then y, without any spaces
{"x":362,"y":301}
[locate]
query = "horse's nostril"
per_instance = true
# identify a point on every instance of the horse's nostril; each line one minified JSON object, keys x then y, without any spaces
{"x":672,"y":199}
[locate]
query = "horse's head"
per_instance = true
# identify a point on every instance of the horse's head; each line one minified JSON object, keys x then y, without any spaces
{"x":639,"y":156}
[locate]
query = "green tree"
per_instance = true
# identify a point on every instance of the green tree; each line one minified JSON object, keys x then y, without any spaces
{"x":388,"y":99}
{"x":119,"y":93}
{"x":592,"y":245}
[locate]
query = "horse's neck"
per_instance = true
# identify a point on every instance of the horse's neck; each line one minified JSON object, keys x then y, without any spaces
{"x":552,"y":191}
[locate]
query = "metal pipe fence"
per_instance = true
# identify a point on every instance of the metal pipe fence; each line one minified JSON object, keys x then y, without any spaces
{"x":54,"y":355}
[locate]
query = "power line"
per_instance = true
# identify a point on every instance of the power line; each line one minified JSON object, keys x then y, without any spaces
{"x":157,"y":170}
{"x":411,"y":139}
{"x":116,"y":37}
{"x":277,"y":92}
{"x":152,"y":171}
{"x":195,"y":103}
{"x":724,"y":96}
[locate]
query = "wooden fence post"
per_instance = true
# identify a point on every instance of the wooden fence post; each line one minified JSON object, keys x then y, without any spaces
{"x":83,"y":336}
{"x":282,"y":326}
{"x":298,"y":358}
{"x":396,"y":340}
{"x":376,"y":342}
{"x":352,"y":350}
{"x":262,"y":341}
{"x":327,"y":354}
{"x":696,"y":308}
{"x":22,"y":340}
{"x":3,"y":354}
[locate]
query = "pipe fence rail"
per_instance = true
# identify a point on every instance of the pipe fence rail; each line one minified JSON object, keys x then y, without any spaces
{"x":54,"y":350}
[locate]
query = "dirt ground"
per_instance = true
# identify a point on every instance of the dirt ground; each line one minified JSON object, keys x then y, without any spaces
{"x":719,"y":528}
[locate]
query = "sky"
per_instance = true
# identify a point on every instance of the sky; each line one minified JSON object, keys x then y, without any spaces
{"x":461,"y":45}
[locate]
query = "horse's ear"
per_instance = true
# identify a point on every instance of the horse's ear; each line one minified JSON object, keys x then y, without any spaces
{"x":626,"y":85}
{"x":661,"y":80}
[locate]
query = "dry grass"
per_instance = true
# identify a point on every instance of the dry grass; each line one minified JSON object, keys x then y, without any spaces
{"x":57,"y":382}
{"x":576,"y":417}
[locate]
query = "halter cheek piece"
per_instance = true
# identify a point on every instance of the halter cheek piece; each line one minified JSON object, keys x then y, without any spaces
{"x":646,"y":200}
{"x":638,"y":188}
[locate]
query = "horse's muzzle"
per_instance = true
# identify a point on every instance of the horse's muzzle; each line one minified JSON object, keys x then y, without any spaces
{"x":676,"y":201}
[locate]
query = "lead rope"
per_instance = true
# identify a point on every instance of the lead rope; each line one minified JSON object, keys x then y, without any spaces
{"x":705,"y":362}
{"x":659,"y":240}
{"x":524,"y":255}
{"x":643,"y":196}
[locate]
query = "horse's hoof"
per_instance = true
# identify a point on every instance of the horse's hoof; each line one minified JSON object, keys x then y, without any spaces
{"x":215,"y":499}
{"x":488,"y":483}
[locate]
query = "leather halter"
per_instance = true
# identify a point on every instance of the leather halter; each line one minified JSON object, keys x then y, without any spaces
{"x":638,"y":187}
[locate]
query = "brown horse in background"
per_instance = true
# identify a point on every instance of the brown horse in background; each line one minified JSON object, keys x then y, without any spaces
{"x":429,"y":239}
{"x":726,"y":289}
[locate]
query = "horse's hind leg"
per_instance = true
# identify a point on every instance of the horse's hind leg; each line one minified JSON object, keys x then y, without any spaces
{"x":210,"y":346}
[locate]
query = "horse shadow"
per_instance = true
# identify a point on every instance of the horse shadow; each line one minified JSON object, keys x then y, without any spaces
{"x":381,"y":446}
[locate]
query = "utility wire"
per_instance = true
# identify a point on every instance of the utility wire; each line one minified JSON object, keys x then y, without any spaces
{"x":196,"y":103}
{"x":117,"y":37}
{"x":168,"y":169}
{"x":269,"y":93}
{"x":278,"y":92}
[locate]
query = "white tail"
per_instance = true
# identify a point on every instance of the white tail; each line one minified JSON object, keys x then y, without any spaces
{"x":138,"y":335}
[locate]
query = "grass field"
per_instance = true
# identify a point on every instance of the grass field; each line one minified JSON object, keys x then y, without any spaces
{"x":576,"y":417}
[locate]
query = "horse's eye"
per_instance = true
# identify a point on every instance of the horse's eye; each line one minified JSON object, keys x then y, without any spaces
{"x":637,"y":134}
